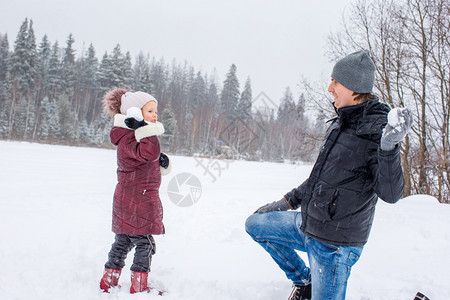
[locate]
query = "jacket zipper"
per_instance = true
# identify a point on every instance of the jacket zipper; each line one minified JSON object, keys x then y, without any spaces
{"x":338,"y":132}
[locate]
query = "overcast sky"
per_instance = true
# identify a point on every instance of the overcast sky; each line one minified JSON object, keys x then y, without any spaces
{"x":272,"y":41}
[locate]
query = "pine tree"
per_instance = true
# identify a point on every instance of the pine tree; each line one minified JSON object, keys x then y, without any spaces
{"x":213,"y":96}
{"x":209,"y":113}
{"x":300,"y":108}
{"x":244,"y":109}
{"x":106,"y":73}
{"x":90,"y":70}
{"x":102,"y":128}
{"x":31,"y":106}
{"x":186,"y":114}
{"x":54,"y":82}
{"x":121,"y":68}
{"x":40,"y":90}
{"x":173,"y":87}
{"x":287,"y":111}
{"x":141,"y":75}
{"x":49,"y":129}
{"x":170,"y":135}
{"x":159,"y":79}
{"x":68,"y":67}
{"x":127,"y":70}
{"x":4,"y":58}
{"x":4,"y":98}
{"x":229,"y":97}
{"x":197,"y":93}
{"x":44,"y":54}
{"x":32,"y":57}
{"x":287,"y":125}
{"x":22,"y":75}
{"x":18,"y":64}
{"x":86,"y":133}
{"x":89,"y":86}
{"x":67,"y":131}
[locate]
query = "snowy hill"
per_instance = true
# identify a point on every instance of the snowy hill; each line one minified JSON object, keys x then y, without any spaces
{"x":55,"y":220}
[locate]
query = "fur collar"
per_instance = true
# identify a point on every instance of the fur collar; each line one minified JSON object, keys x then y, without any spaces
{"x":150,"y":129}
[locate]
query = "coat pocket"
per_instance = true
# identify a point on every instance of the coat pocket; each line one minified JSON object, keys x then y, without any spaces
{"x":322,"y":206}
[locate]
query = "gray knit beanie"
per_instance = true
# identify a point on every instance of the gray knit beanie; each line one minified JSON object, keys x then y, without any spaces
{"x":356,"y":72}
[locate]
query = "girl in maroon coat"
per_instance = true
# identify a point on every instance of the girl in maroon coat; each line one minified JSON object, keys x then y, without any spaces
{"x":137,"y":209}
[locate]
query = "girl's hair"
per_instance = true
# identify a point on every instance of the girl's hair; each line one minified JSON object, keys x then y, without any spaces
{"x":363,"y":97}
{"x":112,"y":101}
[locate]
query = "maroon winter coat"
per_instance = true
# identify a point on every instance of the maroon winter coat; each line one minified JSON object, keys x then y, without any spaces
{"x":137,"y":209}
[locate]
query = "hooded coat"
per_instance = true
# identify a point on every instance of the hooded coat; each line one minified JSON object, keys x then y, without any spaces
{"x":137,"y":209}
{"x":338,"y":199}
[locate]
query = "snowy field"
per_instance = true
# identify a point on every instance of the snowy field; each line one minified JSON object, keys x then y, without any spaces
{"x":55,"y":220}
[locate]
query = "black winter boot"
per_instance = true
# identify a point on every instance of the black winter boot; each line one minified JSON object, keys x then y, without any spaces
{"x":301,"y":292}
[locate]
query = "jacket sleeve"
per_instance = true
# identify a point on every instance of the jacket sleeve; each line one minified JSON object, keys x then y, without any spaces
{"x":141,"y":144}
{"x":147,"y":147}
{"x":295,"y":197}
{"x":389,"y":181}
{"x":146,"y":150}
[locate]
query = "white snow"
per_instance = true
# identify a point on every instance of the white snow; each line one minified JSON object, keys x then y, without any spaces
{"x":55,"y":220}
{"x":135,"y":112}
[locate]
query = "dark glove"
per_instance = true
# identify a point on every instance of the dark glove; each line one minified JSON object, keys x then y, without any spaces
{"x":280,"y":205}
{"x":133,"y":123}
{"x":399,"y":122}
{"x":163,"y":160}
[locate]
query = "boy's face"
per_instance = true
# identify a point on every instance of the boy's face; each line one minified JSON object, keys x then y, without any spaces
{"x":342,"y":95}
{"x":150,"y":112}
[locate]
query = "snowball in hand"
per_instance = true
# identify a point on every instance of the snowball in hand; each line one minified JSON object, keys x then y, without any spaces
{"x":134,"y":112}
{"x":395,"y":117}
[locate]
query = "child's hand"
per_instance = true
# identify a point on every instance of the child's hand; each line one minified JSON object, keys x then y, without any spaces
{"x":134,"y":118}
{"x":134,"y":124}
{"x":163,"y":160}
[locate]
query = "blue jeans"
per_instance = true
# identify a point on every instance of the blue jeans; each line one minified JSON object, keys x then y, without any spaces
{"x":279,"y":233}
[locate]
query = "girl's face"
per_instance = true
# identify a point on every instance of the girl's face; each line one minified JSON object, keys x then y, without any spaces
{"x":342,"y":95}
{"x":150,"y":112}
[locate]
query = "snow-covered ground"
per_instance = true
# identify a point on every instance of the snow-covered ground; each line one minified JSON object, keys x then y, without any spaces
{"x":55,"y":220}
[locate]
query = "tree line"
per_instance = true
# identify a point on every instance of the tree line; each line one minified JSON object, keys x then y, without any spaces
{"x":50,"y":94}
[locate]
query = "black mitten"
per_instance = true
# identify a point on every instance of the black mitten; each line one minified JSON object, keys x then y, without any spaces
{"x":163,"y":160}
{"x":133,"y":123}
{"x":280,"y":205}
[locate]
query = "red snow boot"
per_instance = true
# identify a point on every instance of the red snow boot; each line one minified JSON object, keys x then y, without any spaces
{"x":139,"y":282}
{"x":110,"y":279}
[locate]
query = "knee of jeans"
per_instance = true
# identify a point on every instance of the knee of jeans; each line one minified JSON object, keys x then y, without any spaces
{"x":251,"y":223}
